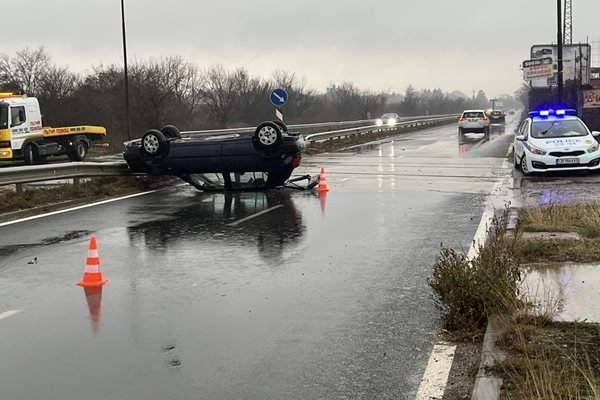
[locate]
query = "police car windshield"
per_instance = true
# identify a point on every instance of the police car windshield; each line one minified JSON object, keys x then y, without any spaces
{"x":3,"y":117}
{"x":556,"y":128}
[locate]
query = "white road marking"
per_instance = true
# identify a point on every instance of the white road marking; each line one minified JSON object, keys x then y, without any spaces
{"x":491,"y":205}
{"x":434,"y":381}
{"x":10,"y":313}
{"x":258,"y":214}
{"x":77,"y":208}
{"x":436,"y":375}
{"x":510,"y":149}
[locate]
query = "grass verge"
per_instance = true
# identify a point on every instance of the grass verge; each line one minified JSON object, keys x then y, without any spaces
{"x":90,"y":190}
{"x":550,"y":360}
{"x":468,"y":292}
{"x":583,"y":219}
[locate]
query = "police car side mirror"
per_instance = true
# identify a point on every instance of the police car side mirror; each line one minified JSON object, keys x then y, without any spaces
{"x":595,"y":134}
{"x":520,"y":138}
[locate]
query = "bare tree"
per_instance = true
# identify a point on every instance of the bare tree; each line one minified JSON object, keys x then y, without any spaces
{"x":25,"y":69}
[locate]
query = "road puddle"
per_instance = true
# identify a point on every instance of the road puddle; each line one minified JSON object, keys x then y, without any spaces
{"x":568,"y":291}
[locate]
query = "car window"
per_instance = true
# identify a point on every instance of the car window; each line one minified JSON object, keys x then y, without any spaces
{"x":207,"y":181}
{"x":557,"y":129}
{"x":388,"y":116}
{"x":473,"y":114}
{"x":524,"y":128}
{"x":248,"y":180}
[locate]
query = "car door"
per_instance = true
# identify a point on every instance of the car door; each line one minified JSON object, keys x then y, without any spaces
{"x":523,"y":130}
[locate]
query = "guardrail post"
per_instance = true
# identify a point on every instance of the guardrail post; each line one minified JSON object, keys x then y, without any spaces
{"x":76,"y":182}
{"x":19,"y":188}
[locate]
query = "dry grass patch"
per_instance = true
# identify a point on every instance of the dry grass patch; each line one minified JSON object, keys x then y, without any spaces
{"x":550,"y":360}
{"x":468,"y":292}
{"x":565,"y":217}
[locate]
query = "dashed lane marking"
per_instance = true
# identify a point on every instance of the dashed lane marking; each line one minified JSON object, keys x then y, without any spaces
{"x":10,"y":313}
{"x":436,"y":375}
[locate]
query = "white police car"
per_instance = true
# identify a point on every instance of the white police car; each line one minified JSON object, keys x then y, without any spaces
{"x":555,"y":140}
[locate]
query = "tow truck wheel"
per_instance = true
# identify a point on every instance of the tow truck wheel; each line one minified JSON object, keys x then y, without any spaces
{"x":28,"y":154}
{"x":267,"y":135}
{"x":78,"y":151}
{"x":171,"y":132}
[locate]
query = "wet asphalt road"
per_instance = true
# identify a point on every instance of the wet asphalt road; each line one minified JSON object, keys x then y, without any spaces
{"x":318,"y":298}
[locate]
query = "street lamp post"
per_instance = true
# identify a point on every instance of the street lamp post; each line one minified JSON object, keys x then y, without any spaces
{"x":493,"y":104}
{"x":127,"y":117}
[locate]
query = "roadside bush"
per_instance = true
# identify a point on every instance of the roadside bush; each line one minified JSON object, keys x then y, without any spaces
{"x":469,"y":291}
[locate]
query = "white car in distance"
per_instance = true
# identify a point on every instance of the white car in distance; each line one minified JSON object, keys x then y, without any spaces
{"x":555,"y":140}
{"x":473,"y":121}
{"x":389,"y":119}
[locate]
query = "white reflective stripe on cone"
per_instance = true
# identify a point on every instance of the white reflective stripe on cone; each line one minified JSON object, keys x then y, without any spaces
{"x":93,"y":253}
{"x":92,"y":269}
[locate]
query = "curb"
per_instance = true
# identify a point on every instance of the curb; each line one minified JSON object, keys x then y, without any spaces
{"x":487,"y":386}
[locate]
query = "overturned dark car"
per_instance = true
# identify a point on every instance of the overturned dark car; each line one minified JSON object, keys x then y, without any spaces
{"x":261,"y":161}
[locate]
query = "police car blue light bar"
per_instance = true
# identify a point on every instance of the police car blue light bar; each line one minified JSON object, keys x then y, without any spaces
{"x":546,"y":113}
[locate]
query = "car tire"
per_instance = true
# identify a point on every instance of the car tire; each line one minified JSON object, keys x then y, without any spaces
{"x":281,"y":126}
{"x":78,"y":151}
{"x":154,"y":143}
{"x":29,"y":154}
{"x":267,"y":136}
{"x":524,"y":170}
{"x":171,"y":132}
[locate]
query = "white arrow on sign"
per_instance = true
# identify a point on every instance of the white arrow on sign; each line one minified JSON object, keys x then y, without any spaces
{"x":281,"y":99}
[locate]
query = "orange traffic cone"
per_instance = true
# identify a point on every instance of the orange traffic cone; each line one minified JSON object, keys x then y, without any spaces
{"x":92,"y":275}
{"x":322,"y":182}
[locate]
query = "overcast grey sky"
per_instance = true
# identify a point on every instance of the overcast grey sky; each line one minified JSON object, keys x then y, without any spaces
{"x":377,"y":44}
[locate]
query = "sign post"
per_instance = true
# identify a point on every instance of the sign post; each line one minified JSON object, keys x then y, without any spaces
{"x":278,"y":98}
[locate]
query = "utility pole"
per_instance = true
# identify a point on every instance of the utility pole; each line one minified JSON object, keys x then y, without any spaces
{"x":559,"y":44}
{"x":568,"y":23}
{"x":127,"y":117}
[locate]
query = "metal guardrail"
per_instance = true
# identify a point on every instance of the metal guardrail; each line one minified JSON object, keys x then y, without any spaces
{"x":326,"y":126}
{"x":39,"y":173}
{"x":377,"y":128}
{"x":49,"y":172}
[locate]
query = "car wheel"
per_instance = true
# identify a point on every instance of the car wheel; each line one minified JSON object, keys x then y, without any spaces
{"x":281,"y":125}
{"x":524,"y":166}
{"x":78,"y":151}
{"x":267,"y":135}
{"x":28,"y":155}
{"x":171,"y":132}
{"x":154,"y":142}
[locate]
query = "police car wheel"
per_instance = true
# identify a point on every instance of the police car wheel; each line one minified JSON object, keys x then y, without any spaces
{"x":524,"y":166}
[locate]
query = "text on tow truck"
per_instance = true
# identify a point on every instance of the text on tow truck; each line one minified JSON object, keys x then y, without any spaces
{"x":22,"y":135}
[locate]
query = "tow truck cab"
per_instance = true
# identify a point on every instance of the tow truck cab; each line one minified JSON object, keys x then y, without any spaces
{"x":22,"y":135}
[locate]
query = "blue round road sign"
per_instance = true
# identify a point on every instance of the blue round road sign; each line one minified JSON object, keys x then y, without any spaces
{"x":279,"y":97}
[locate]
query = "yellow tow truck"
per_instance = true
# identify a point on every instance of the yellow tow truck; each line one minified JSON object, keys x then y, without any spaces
{"x":22,"y":135}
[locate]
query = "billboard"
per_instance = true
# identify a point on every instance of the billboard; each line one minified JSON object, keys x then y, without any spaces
{"x":591,"y":98}
{"x":576,"y":64}
{"x":539,"y":68}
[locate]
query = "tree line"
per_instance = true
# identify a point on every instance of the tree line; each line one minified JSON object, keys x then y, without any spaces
{"x":174,"y":91}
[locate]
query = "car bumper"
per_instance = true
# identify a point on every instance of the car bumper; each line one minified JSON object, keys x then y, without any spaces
{"x":587,"y":162}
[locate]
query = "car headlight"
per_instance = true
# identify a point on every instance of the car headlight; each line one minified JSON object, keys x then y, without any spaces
{"x":534,"y":149}
{"x":593,"y":147}
{"x":379,"y":122}
{"x":392,"y":121}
